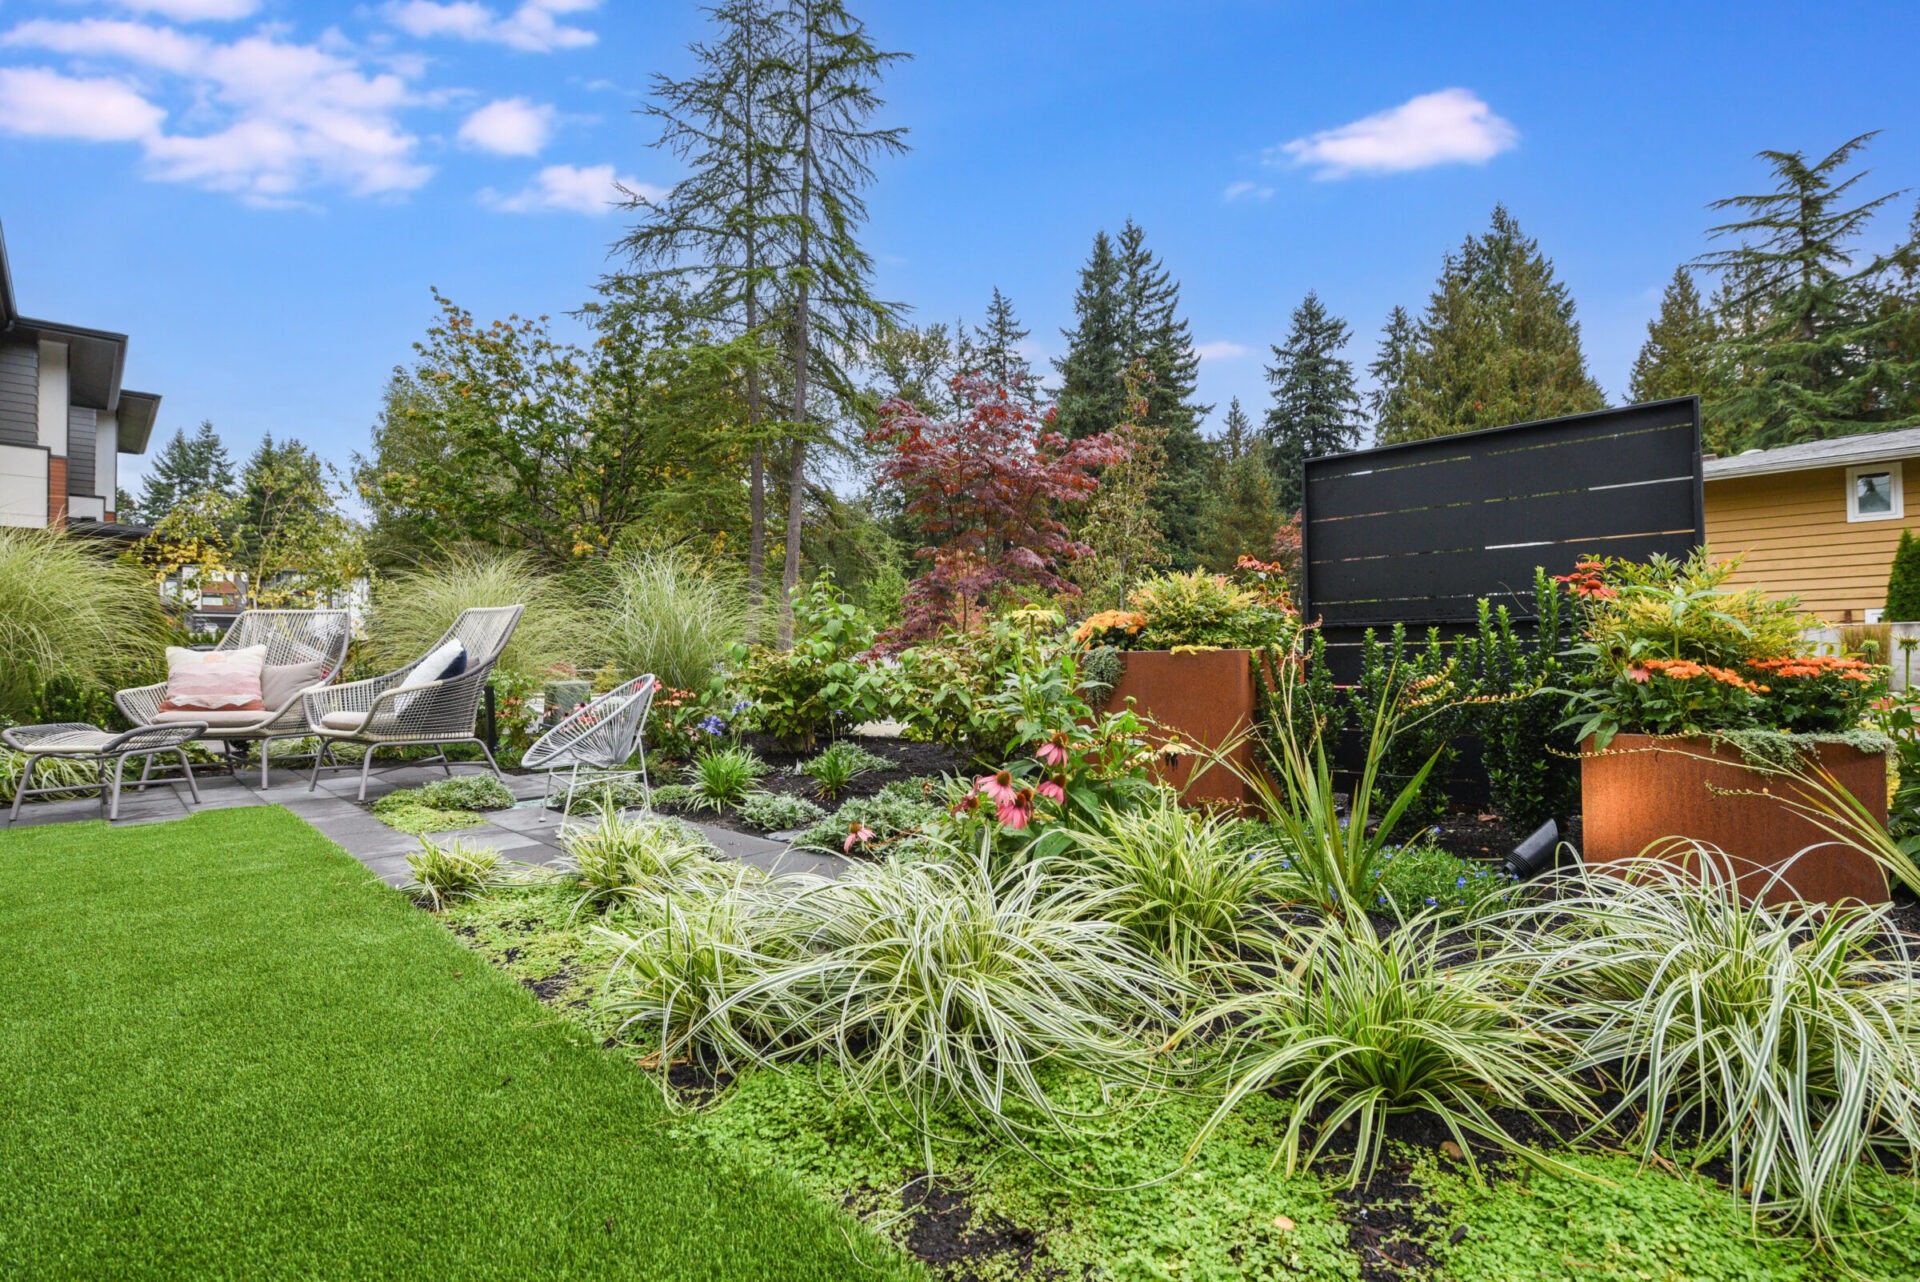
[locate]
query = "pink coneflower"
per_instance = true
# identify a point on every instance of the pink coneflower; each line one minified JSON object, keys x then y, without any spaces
{"x":1052,"y":752}
{"x":997,"y":786}
{"x":856,"y":835}
{"x":1639,"y":674}
{"x":1052,"y":791}
{"x":1018,"y":812}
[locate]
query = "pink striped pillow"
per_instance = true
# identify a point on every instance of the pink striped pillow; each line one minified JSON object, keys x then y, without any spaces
{"x":204,"y":680}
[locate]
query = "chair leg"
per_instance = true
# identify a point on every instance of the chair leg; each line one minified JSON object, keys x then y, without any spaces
{"x":113,"y":803}
{"x":186,"y":766}
{"x":546,"y":795}
{"x":265,"y":744}
{"x":20,"y":789}
{"x":318,"y":757}
{"x":573,"y":781}
{"x":490,"y":761}
{"x":646,"y":789}
{"x":366,"y":765}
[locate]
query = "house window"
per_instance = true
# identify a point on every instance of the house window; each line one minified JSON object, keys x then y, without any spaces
{"x":1873,"y":493}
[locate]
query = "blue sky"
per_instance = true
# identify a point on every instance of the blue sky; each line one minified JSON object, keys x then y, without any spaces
{"x":261,"y":192}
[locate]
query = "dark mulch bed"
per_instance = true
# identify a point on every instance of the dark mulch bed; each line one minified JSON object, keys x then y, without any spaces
{"x":905,"y":761}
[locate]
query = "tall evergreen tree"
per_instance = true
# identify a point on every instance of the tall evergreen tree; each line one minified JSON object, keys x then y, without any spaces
{"x":1498,"y":343}
{"x":1814,"y":359}
{"x":1091,"y":398}
{"x":723,"y":224}
{"x":1242,"y":510}
{"x":1315,"y":407}
{"x":185,"y":466}
{"x":994,"y":350}
{"x":1678,"y":357}
{"x":829,"y":95}
{"x":1387,"y":399}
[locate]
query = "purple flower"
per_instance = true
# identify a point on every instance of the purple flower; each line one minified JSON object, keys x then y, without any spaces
{"x":713,"y":725}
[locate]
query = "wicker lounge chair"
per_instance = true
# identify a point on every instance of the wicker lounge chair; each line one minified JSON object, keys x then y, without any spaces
{"x":599,"y":737}
{"x":384,"y":712}
{"x":290,"y":636}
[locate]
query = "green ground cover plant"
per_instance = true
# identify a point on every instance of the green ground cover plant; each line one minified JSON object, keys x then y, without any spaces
{"x":838,"y":765}
{"x":778,"y":811}
{"x":444,"y":805}
{"x":360,"y":1095}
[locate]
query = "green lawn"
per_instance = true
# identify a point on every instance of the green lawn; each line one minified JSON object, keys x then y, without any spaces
{"x":227,"y":1052}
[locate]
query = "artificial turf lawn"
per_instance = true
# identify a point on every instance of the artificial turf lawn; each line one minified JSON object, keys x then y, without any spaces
{"x":228,"y":1052}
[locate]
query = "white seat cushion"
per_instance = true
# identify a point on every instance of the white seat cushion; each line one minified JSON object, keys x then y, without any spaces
{"x":346,"y":721}
{"x":216,"y":718}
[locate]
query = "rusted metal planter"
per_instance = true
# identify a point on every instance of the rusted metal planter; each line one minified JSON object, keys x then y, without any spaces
{"x":1202,"y":699}
{"x":1644,"y":790}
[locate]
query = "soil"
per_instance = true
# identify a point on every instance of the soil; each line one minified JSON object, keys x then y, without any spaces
{"x":905,"y":761}
{"x":946,"y":1237}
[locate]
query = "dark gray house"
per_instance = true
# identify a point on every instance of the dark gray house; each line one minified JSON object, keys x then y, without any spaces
{"x":64,"y":418}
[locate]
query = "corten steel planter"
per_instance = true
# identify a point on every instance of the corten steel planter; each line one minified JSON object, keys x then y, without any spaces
{"x":1201,"y":698}
{"x":1644,"y":790}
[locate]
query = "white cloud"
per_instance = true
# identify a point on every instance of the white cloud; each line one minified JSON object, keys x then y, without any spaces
{"x":1247,"y":191}
{"x":533,"y":27}
{"x":45,"y":104}
{"x":589,"y":189}
{"x":1452,"y":126}
{"x":509,"y":127}
{"x":193,"y":10}
{"x":1222,"y":350}
{"x":269,"y":118}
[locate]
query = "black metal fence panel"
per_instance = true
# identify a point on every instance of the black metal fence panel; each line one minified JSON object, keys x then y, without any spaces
{"x":1419,"y":533}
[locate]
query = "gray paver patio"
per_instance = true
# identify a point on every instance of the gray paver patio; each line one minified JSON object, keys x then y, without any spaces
{"x":526,"y":834}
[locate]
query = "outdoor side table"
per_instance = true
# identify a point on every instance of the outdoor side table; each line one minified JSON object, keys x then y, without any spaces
{"x":79,"y":742}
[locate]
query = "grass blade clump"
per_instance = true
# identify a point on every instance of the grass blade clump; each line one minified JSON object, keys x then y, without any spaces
{"x":836,"y":768}
{"x":616,"y":858}
{"x":1785,"y":1040}
{"x":1357,"y":1028}
{"x":413,"y":609}
{"x":444,"y":873}
{"x":65,"y":608}
{"x":1183,"y":883}
{"x":671,"y":614}
{"x":723,"y":777}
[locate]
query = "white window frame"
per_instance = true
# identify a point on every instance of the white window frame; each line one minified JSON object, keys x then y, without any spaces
{"x":1897,"y":512}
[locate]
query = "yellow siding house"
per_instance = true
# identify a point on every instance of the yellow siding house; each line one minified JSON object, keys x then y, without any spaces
{"x":1818,"y":521}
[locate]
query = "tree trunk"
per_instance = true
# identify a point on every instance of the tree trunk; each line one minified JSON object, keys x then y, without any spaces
{"x":797,"y":447}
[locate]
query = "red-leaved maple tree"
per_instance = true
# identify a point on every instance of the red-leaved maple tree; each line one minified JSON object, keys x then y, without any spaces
{"x":986,"y":490}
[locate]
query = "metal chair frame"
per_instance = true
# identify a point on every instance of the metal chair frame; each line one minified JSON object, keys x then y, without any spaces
{"x":76,"y":740}
{"x":291,"y":636}
{"x":600,"y":737}
{"x":438,"y":713}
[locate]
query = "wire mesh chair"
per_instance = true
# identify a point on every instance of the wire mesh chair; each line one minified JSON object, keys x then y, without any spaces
{"x":290,"y":636}
{"x":599,"y":737}
{"x":79,"y":742}
{"x":378,"y":713}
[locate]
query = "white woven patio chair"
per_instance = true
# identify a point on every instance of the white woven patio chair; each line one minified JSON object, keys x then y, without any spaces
{"x":290,"y":636}
{"x":599,"y":737}
{"x":77,"y":741}
{"x":384,"y":712}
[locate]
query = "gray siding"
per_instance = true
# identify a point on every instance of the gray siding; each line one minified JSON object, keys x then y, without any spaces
{"x":82,"y":439}
{"x":19,"y":393}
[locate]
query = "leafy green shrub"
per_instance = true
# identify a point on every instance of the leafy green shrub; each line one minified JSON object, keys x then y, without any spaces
{"x":1517,"y":710}
{"x":1201,"y":609}
{"x":778,"y":811}
{"x":445,"y":873}
{"x":837,"y":767}
{"x":904,"y":808}
{"x":466,"y":792}
{"x":1182,"y":882}
{"x":1422,"y":688}
{"x":1784,"y":1040}
{"x":723,"y":777}
{"x":675,"y":794}
{"x":955,"y":690}
{"x":1356,"y":1028}
{"x":672,"y":615}
{"x":617,"y":858}
{"x":817,"y":686}
{"x":67,"y":609}
{"x":413,"y":609}
{"x":1903,"y":582}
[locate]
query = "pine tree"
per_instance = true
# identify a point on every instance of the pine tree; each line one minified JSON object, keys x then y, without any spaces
{"x":994,"y":350}
{"x":722,"y":224}
{"x":184,"y":467}
{"x":1155,"y":335}
{"x":1387,"y":401}
{"x":830,"y":93}
{"x":1315,"y":407}
{"x":1091,"y":398}
{"x":1498,"y":343}
{"x":1815,"y":356}
{"x":1903,"y":583}
{"x":1242,"y":509}
{"x":1678,"y":357}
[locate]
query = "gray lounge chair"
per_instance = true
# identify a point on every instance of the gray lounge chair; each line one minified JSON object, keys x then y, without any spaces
{"x":600,"y":738}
